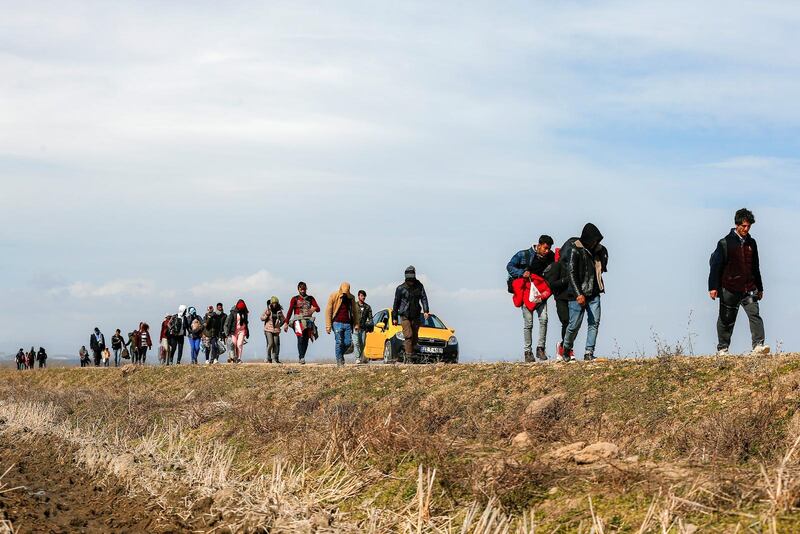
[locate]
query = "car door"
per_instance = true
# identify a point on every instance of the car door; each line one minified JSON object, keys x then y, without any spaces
{"x":373,"y":347}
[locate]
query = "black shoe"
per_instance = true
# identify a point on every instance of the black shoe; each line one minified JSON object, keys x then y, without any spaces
{"x":528,"y":356}
{"x":302,"y":361}
{"x":589,"y":356}
{"x":540,"y":353}
{"x":277,"y":360}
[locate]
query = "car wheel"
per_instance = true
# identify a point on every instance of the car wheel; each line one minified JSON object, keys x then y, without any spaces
{"x":388,"y":356}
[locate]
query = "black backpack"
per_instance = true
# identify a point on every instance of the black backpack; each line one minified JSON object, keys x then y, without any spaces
{"x":722,"y":243}
{"x":175,"y":326}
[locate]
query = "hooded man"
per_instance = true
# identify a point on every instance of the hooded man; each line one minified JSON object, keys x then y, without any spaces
{"x":410,"y":303}
{"x":176,"y":333}
{"x":97,"y":342}
{"x":343,"y":316}
{"x":585,"y":260}
{"x":522,"y":265}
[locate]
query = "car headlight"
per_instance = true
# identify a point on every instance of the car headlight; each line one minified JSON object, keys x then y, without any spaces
{"x":399,"y":336}
{"x":452,"y":341}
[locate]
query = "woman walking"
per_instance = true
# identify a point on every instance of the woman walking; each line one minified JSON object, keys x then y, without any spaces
{"x":238,"y":329}
{"x":83,"y":355}
{"x":273,"y":320}
{"x":195,"y":332}
{"x":145,"y":341}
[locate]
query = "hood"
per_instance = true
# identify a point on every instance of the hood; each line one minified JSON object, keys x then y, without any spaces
{"x":240,"y":306}
{"x":181,"y":309}
{"x":344,"y":289}
{"x":590,"y":234}
{"x":192,"y":310}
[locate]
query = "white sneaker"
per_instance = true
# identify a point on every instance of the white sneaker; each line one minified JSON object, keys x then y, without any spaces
{"x":760,"y":350}
{"x":723,"y":352}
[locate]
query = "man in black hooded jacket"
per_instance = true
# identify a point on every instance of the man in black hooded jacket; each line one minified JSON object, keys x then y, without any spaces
{"x":585,"y":260}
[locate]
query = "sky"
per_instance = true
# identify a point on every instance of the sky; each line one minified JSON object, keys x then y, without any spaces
{"x":154,"y":154}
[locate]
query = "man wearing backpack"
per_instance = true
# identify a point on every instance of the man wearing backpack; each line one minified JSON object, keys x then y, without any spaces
{"x":176,"y":334}
{"x":523,"y":264}
{"x":735,"y":277}
{"x":585,"y":260}
{"x":409,"y":307}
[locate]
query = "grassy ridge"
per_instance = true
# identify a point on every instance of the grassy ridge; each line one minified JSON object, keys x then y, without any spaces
{"x":692,"y":434}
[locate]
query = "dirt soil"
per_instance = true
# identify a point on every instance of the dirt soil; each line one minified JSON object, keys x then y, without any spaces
{"x":54,"y":495}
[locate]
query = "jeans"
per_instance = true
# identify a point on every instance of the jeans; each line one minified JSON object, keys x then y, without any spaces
{"x":576,"y":312}
{"x":359,"y":339}
{"x":527,"y":326}
{"x":273,"y":346}
{"x":116,"y":356}
{"x":729,"y":302}
{"x":343,"y":333}
{"x":194,"y":344}
{"x":175,"y":346}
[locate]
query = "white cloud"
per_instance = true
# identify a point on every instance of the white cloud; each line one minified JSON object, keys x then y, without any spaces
{"x":753,"y":163}
{"x":258,"y":282}
{"x":112,"y":288}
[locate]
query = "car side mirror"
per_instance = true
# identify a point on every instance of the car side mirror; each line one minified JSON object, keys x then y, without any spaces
{"x":380,"y":326}
{"x":452,"y":330}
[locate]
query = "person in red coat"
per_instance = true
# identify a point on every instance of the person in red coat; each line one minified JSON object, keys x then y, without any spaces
{"x":522,"y":266}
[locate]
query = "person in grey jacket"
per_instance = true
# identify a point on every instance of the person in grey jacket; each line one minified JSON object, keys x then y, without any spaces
{"x":410,"y":304}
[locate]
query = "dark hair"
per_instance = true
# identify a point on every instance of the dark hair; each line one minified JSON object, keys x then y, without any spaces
{"x":744,"y":214}
{"x":362,"y":292}
{"x":219,"y":304}
{"x":301,"y":285}
{"x":545,"y":239}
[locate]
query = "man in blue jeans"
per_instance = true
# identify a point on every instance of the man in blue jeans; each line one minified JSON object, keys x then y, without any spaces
{"x":586,"y":261}
{"x":342,"y":316}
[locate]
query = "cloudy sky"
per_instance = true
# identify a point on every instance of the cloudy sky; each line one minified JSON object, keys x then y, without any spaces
{"x":153,"y":154}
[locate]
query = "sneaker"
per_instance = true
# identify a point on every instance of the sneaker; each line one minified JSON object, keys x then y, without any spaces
{"x":560,"y":349}
{"x":540,"y":353}
{"x":572,"y":354}
{"x":723,"y":352}
{"x":268,"y":360}
{"x":760,"y":350}
{"x":589,"y":356}
{"x":302,"y":361}
{"x":206,"y":362}
{"x":528,"y":356}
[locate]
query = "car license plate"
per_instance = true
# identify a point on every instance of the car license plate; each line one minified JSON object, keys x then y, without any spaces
{"x":431,"y":350}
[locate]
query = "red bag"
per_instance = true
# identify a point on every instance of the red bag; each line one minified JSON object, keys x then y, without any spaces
{"x":530,"y":292}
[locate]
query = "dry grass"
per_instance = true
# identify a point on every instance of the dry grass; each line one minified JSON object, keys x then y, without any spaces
{"x":343,"y":450}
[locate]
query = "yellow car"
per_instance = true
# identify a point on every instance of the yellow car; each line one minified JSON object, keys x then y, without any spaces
{"x":437,"y":342}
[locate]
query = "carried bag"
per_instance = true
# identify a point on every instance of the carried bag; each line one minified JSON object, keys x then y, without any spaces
{"x":221,"y":347}
{"x":125,"y":354}
{"x":175,"y":326}
{"x":196,"y":326}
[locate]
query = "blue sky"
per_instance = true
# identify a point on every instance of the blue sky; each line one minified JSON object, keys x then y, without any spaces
{"x":158,"y":154}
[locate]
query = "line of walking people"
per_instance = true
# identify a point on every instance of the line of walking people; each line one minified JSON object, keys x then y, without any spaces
{"x":27,"y":360}
{"x":347,"y":317}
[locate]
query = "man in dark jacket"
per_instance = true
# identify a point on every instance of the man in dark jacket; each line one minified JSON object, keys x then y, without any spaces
{"x":97,"y":342}
{"x":585,"y":260}
{"x":523,"y":264}
{"x":410,"y":302}
{"x":735,"y":278}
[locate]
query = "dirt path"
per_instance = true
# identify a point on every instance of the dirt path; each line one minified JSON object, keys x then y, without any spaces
{"x":56,"y":496}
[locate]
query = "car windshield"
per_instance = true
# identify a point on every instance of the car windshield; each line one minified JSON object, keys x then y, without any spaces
{"x":431,"y":322}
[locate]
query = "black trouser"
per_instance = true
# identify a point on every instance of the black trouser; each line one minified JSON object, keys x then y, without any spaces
{"x":84,"y":362}
{"x":96,"y":357}
{"x":142,"y":354}
{"x":729,"y":302}
{"x":175,"y":345}
{"x":302,"y":344}
{"x":562,"y":310}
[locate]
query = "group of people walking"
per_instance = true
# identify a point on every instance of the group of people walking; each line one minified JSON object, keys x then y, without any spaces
{"x":27,"y":360}
{"x":349,"y":318}
{"x":573,"y":275}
